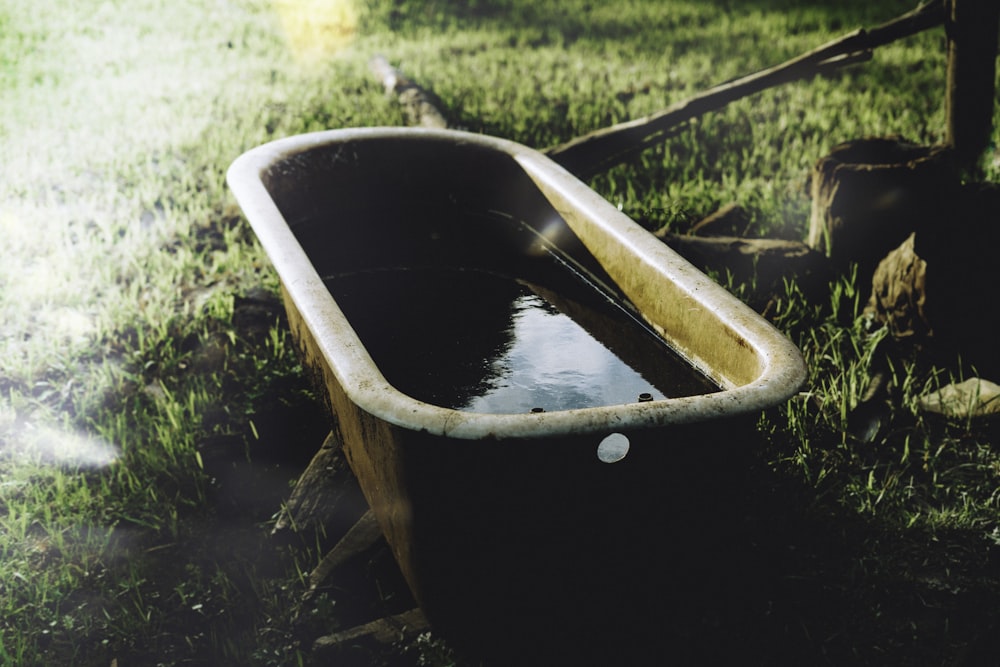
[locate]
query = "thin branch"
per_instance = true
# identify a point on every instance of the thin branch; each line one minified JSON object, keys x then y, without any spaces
{"x":604,"y":148}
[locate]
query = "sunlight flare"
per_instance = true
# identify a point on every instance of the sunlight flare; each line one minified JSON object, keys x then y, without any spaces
{"x":317,"y":29}
{"x":26,"y":442}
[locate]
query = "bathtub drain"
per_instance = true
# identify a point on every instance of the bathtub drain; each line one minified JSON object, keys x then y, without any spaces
{"x":613,"y":448}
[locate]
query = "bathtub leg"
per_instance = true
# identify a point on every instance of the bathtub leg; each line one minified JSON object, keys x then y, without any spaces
{"x":360,"y":538}
{"x":324,"y":496}
{"x":319,"y":491}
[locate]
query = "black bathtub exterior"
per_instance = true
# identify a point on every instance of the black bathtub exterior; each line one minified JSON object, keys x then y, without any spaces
{"x":518,"y":542}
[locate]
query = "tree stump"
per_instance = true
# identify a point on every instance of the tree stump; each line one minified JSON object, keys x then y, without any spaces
{"x":868,"y":195}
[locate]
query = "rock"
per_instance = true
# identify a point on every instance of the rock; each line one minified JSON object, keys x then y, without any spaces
{"x":936,"y":289}
{"x":973,"y":398}
{"x":899,"y":294}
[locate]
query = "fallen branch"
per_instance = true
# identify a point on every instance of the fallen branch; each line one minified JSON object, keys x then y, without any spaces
{"x":604,"y":148}
{"x":385,"y":631}
{"x":420,"y":105}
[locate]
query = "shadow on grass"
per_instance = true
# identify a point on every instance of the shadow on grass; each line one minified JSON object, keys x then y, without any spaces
{"x":835,"y":588}
{"x":777,"y":573}
{"x":768,"y":576}
{"x":579,"y":20}
{"x":787,"y":582}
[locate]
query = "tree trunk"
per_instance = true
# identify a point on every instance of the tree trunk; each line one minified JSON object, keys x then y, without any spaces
{"x":868,"y":195}
{"x":972,"y":54}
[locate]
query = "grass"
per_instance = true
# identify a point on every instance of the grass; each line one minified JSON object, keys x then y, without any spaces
{"x":153,"y":414}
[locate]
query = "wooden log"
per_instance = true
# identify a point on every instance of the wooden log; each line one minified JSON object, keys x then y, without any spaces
{"x":604,"y":148}
{"x":972,"y":52}
{"x":763,"y":263}
{"x":421,"y":106}
{"x":385,"y":631}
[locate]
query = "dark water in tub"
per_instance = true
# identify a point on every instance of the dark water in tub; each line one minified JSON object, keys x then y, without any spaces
{"x":486,"y":342}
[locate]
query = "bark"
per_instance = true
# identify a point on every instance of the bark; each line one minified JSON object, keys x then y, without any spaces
{"x":899,"y":293}
{"x":972,"y":54}
{"x":764,"y":264}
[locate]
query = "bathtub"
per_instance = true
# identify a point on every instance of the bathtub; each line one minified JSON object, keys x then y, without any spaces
{"x":547,"y":409}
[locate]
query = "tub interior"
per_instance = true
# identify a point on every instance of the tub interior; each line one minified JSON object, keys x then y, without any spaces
{"x":465,"y":285}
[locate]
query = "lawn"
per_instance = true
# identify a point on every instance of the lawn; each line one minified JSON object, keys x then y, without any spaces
{"x":153,"y":415}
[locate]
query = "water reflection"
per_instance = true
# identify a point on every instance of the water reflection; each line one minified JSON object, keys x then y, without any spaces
{"x":553,"y":363}
{"x":485,"y":342}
